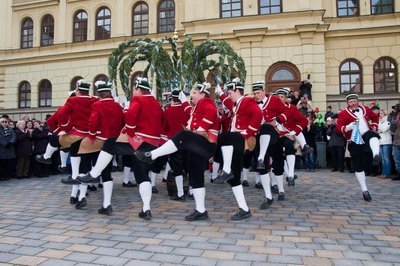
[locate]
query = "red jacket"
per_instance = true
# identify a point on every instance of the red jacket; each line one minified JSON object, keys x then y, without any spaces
{"x":274,"y":108}
{"x":204,"y":115}
{"x":74,"y":115}
{"x":296,"y":121}
{"x":52,"y":122}
{"x":175,"y":120}
{"x":347,"y":116}
{"x":225,"y":122}
{"x":106,"y":119}
{"x":247,"y":116}
{"x":144,"y":118}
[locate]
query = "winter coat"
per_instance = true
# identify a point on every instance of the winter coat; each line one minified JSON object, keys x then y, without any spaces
{"x":384,"y":131}
{"x":336,"y":140}
{"x":23,"y":146}
{"x":395,"y":128}
{"x":40,"y":138}
{"x":7,"y":140}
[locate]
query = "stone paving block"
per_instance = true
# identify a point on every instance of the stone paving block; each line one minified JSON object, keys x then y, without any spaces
{"x":250,"y":257}
{"x":387,"y":258}
{"x":281,"y":244}
{"x":133,"y":254}
{"x":8,"y":247}
{"x":28,"y":260}
{"x":32,"y":242}
{"x":7,"y":257}
{"x":103,"y":243}
{"x":158,"y":249}
{"x":82,"y":257}
{"x":225,"y":255}
{"x":204,"y":246}
{"x":285,"y":259}
{"x":187,"y":252}
{"x":336,"y":247}
{"x":234,"y":262}
{"x":168,"y":258}
{"x":297,"y":252}
{"x":107,"y":251}
{"x":81,"y":248}
{"x":52,"y":262}
{"x":356,"y":255}
{"x":330,"y":254}
{"x":175,"y":243}
{"x":315,"y":261}
{"x":54,"y":253}
{"x":142,"y":263}
{"x":199,"y":261}
{"x":31,"y":251}
{"x":265,"y":250}
{"x":376,"y":243}
{"x":376,"y":263}
{"x":364,"y":249}
{"x":346,"y":262}
{"x":109,"y":260}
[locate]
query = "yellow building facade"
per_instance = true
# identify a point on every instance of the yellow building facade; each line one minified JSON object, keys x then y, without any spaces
{"x":344,"y":45}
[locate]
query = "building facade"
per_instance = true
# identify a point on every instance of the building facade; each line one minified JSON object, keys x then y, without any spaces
{"x":344,"y":45}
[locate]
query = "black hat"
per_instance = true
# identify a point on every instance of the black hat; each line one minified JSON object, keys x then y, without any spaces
{"x":204,"y":87}
{"x":82,"y":85}
{"x":102,"y":86}
{"x":351,"y":96}
{"x":375,"y":108}
{"x":143,"y":83}
{"x":283,"y":91}
{"x":259,"y":85}
{"x":175,"y":94}
{"x":235,"y":84}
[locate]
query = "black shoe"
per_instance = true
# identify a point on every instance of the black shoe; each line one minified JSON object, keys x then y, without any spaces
{"x":377,"y":160}
{"x":260,"y":165}
{"x":145,"y":215}
{"x":295,"y":177}
{"x":267,"y":202}
{"x":275,"y":189}
{"x":258,"y":185}
{"x":70,"y":181}
{"x":88,"y":178}
{"x":291,"y":182}
{"x":129,"y":184}
{"x":191,"y":197}
{"x":63,"y":170}
{"x":396,"y":177}
{"x":144,"y":156}
{"x":154,"y":190}
{"x":222,"y":177}
{"x":41,"y":159}
{"x":114,"y":169}
{"x":177,"y":198}
{"x":92,"y":188}
{"x":245,"y":183}
{"x":194,"y":216}
{"x":164,"y":180}
{"x":366,"y":196}
{"x":73,"y":200}
{"x":241,"y":214}
{"x":211,"y":180}
{"x":80,"y":204}
{"x":334,"y":170}
{"x":106,"y":211}
{"x":307,"y":149}
{"x":100,"y":185}
{"x":281,"y":196}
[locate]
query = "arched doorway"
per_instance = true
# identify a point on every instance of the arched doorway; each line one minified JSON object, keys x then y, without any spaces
{"x":282,"y":74}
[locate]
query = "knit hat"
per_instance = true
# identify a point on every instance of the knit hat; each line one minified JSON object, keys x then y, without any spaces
{"x":351,"y":96}
{"x":283,"y":91}
{"x":259,"y":85}
{"x":235,"y":84}
{"x":102,"y":86}
{"x":142,"y":83}
{"x":204,"y":87}
{"x":82,"y":85}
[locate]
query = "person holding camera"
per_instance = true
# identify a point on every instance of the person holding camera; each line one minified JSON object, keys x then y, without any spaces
{"x":394,"y":119}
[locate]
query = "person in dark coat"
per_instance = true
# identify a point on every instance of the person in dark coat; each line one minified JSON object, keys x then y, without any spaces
{"x":305,"y":89}
{"x":7,"y":152}
{"x":310,"y":136}
{"x":23,"y":150}
{"x":40,"y":139}
{"x":336,"y":145}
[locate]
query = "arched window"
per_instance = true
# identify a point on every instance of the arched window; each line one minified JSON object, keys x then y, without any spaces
{"x":140,"y":19}
{"x":350,"y":77}
{"x":73,"y":83}
{"x":347,"y":8}
{"x":385,"y":75}
{"x":97,"y":78}
{"x":166,"y":16}
{"x":103,"y":24}
{"x":27,"y":33}
{"x":80,"y":26}
{"x":44,"y":93}
{"x":382,"y":6}
{"x":282,"y":74}
{"x":231,"y":8}
{"x":24,"y":95}
{"x":269,"y":6}
{"x":47,"y":31}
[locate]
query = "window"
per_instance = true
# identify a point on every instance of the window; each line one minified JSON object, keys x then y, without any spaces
{"x":166,"y":16}
{"x":27,"y":33}
{"x":47,"y":31}
{"x":347,"y":8}
{"x":350,"y":77}
{"x":140,"y":19}
{"x":97,"y":78}
{"x":385,"y":75}
{"x":44,"y":93}
{"x":103,"y":24}
{"x":24,"y":95}
{"x":269,"y":6}
{"x":231,"y":8}
{"x":73,"y":83}
{"x":382,"y":6}
{"x":80,"y":26}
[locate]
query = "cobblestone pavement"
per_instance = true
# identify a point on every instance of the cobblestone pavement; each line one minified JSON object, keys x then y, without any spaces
{"x":323,"y":221}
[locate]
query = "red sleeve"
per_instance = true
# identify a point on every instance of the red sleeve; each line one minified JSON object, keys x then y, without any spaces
{"x":52,"y":122}
{"x":210,"y":113}
{"x":165,"y":125}
{"x":131,"y":117}
{"x":301,"y":121}
{"x":341,"y":124}
{"x":281,"y":109}
{"x":187,"y":108}
{"x":227,"y":102}
{"x":94,"y":122}
{"x":255,"y":120}
{"x":64,"y":115}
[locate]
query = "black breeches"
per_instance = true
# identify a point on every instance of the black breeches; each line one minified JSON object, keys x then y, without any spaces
{"x":288,"y":146}
{"x":188,"y":141}
{"x":74,"y":149}
{"x":54,"y":140}
{"x":356,"y":153}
